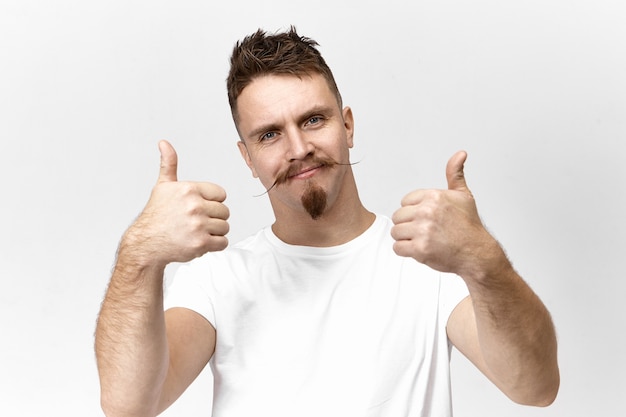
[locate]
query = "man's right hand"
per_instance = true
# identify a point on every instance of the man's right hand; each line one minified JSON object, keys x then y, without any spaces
{"x":182,"y":220}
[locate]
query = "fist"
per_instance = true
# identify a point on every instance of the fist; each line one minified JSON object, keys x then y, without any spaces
{"x":182,"y":220}
{"x":441,"y":228}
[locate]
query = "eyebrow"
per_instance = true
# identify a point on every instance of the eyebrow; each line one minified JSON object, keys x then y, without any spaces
{"x":270,"y":127}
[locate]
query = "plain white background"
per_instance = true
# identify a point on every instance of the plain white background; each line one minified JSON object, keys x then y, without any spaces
{"x":535,"y":91}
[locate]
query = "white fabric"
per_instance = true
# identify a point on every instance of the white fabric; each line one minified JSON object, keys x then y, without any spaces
{"x":352,"y":330}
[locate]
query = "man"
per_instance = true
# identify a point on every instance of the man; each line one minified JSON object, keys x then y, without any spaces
{"x":331,"y":311}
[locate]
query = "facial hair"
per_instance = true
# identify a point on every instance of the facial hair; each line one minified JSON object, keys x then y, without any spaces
{"x":314,"y":197}
{"x":314,"y":200}
{"x":294,"y":168}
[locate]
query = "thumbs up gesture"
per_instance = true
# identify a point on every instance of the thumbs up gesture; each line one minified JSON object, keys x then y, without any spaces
{"x":441,"y":228}
{"x":182,"y":220}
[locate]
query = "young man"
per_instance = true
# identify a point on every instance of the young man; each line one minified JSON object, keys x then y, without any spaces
{"x":331,"y":311}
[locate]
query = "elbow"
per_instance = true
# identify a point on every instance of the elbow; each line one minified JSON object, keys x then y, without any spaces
{"x":112,"y":408}
{"x":116,"y":412}
{"x":541,"y":394}
{"x":107,"y":405}
{"x":543,"y":399}
{"x":550,"y":393}
{"x":108,"y":409}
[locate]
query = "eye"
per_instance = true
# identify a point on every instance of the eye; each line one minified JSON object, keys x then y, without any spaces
{"x":267,"y":136}
{"x":314,"y":120}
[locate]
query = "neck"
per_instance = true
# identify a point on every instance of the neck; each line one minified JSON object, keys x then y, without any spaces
{"x":325,"y":231}
{"x":344,"y":219}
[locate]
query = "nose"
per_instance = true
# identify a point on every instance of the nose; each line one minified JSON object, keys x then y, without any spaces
{"x":299,"y":146}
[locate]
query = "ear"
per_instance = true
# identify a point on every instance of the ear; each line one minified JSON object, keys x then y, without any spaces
{"x":348,"y":123}
{"x":243,"y":149}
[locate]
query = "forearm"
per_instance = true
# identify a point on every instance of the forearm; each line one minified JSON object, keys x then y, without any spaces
{"x":181,"y":221}
{"x":131,"y":344}
{"x":515,"y":333}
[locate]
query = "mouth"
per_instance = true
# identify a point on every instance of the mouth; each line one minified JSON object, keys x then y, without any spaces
{"x":299,"y":173}
{"x":305,"y":173}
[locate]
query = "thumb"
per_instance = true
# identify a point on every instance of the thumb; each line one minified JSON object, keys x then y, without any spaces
{"x":169,"y":162}
{"x":455,"y":174}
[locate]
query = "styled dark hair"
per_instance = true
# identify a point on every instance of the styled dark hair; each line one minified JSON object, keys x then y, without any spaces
{"x":284,"y":53}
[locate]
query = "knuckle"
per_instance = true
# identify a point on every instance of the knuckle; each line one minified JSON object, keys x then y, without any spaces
{"x":398,"y":248}
{"x":226,"y":214}
{"x":218,"y":210}
{"x":435,"y":195}
{"x":226,"y":228}
{"x":218,"y":227}
{"x":428,"y":229}
{"x":186,"y":188}
{"x":196,"y":224}
{"x":431,"y":212}
{"x":194,"y":208}
{"x":217,"y":243}
{"x":215,"y":192}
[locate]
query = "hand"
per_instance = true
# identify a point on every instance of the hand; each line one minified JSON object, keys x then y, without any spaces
{"x":182,"y":220}
{"x":441,"y":228}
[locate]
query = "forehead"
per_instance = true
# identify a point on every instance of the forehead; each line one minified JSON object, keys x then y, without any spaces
{"x":274,"y":98}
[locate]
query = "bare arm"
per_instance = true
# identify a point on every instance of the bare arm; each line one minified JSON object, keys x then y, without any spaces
{"x":131,"y":344}
{"x":144,"y":365}
{"x":503,"y":327}
{"x":192,"y":343}
{"x":507,"y":332}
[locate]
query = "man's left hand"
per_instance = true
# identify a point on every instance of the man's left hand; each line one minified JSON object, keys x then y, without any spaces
{"x":441,"y":228}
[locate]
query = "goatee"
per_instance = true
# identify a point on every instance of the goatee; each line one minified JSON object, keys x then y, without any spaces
{"x":314,"y":200}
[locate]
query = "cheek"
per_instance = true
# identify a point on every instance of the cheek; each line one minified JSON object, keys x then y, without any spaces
{"x":252,"y":169}
{"x":266,"y":173}
{"x":262,"y":167}
{"x":344,"y":150}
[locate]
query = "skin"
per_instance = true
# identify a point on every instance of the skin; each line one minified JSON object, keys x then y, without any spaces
{"x":502,"y":327}
{"x":283,"y":121}
{"x":145,"y":361}
{"x":147,"y":357}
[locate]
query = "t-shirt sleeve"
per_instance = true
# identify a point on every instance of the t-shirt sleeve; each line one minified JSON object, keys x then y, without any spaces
{"x":452,"y":290}
{"x":190,"y":288}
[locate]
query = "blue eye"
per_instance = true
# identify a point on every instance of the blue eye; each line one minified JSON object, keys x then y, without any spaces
{"x":314,"y":120}
{"x":267,"y":136}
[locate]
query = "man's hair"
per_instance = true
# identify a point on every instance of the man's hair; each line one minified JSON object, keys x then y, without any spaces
{"x":284,"y":53}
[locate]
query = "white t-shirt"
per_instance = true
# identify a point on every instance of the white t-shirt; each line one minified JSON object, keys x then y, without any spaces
{"x":348,"y":331}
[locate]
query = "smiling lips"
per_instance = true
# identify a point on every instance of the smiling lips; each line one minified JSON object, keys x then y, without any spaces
{"x":297,"y":172}
{"x":305,"y":173}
